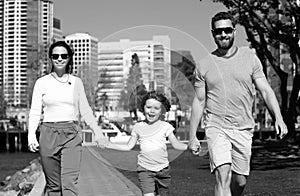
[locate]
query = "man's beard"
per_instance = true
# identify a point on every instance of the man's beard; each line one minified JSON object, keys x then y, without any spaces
{"x":225,"y":45}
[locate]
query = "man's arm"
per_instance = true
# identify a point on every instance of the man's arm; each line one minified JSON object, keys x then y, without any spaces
{"x":270,"y":99}
{"x":196,"y":115}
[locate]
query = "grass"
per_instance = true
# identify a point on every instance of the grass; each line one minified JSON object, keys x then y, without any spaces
{"x":275,"y":172}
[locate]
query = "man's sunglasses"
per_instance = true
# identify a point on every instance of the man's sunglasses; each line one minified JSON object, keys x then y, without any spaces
{"x":226,"y":30}
{"x":63,"y":56}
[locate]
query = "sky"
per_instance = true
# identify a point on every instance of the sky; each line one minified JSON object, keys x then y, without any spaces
{"x":186,"y":22}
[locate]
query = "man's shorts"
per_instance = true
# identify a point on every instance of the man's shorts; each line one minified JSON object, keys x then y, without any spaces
{"x":230,"y":146}
{"x":151,"y":181}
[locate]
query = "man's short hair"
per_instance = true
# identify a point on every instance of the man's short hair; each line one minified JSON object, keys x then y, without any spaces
{"x":222,"y":16}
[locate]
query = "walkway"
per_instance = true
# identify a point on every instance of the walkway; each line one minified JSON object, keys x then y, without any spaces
{"x":97,"y":178}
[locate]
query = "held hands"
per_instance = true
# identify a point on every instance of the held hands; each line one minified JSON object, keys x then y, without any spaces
{"x":101,"y":140}
{"x":194,"y":146}
{"x":33,"y":144}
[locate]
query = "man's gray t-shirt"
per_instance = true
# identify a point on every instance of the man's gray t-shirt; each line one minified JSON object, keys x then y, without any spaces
{"x":230,"y":89}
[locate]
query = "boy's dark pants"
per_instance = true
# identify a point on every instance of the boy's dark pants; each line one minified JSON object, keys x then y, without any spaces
{"x":60,"y":150}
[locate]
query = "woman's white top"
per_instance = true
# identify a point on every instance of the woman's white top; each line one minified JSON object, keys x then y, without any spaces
{"x":61,"y":99}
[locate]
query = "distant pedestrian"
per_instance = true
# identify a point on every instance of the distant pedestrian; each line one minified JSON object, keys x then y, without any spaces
{"x":171,"y":117}
{"x":153,"y":165}
{"x":224,"y":89}
{"x":60,"y":98}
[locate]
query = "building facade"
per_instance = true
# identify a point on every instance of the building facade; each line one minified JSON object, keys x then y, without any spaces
{"x":57,"y":32}
{"x":85,"y":63}
{"x":114,"y":59}
{"x":1,"y":44}
{"x":25,"y":36}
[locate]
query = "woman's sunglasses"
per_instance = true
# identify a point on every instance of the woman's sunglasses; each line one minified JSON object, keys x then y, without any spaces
{"x":63,"y":56}
{"x":226,"y":30}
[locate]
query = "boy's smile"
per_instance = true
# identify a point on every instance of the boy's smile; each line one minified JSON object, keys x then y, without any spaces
{"x":152,"y":110}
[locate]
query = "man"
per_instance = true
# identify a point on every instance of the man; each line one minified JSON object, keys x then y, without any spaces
{"x":224,"y":89}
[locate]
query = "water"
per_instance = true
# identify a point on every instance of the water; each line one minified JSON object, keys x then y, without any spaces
{"x":13,"y":141}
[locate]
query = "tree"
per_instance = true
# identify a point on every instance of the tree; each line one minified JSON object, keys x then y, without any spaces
{"x":101,"y":96}
{"x":103,"y":99}
{"x":123,"y":103}
{"x":182,"y":80}
{"x":134,"y":86}
{"x":271,"y":25}
{"x":2,"y":104}
{"x":187,"y":67}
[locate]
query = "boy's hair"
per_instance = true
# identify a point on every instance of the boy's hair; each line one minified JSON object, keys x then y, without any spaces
{"x":159,"y":97}
{"x":69,"y":67}
{"x":222,"y":16}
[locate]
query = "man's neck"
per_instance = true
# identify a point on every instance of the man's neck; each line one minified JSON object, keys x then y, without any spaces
{"x":226,"y":53}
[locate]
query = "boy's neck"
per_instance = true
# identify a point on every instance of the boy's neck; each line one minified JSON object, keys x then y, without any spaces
{"x":151,"y":123}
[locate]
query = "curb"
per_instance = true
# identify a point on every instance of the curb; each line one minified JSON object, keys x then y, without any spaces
{"x":39,"y":186}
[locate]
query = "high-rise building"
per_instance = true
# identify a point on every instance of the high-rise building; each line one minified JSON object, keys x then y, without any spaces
{"x":2,"y":102}
{"x":85,"y":61}
{"x":25,"y":36}
{"x":115,"y":61}
{"x":1,"y":44}
{"x":57,"y":32}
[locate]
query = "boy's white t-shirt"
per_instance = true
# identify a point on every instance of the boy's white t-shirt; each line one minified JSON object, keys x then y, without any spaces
{"x":153,"y":154}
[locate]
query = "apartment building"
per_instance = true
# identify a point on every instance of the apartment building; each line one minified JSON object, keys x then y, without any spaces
{"x":85,"y":61}
{"x":114,"y":59}
{"x":26,"y":32}
{"x":57,"y":32}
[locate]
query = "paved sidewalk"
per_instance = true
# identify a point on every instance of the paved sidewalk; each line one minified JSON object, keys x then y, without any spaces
{"x":97,"y":178}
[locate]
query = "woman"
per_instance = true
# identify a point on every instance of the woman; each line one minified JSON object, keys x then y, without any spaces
{"x":60,"y":98}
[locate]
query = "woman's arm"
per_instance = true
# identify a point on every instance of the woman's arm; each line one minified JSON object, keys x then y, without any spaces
{"x":86,"y":111}
{"x":177,"y":144}
{"x":88,"y":116}
{"x":123,"y":147}
{"x":34,"y":116}
{"x":36,"y":108}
